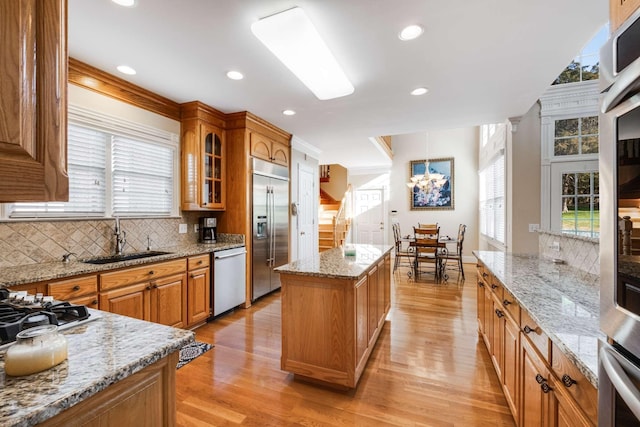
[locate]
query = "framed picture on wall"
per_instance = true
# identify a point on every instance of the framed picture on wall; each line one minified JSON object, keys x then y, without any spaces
{"x":432,"y":189}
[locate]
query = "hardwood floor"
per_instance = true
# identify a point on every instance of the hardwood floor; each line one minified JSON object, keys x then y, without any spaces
{"x":428,"y":369}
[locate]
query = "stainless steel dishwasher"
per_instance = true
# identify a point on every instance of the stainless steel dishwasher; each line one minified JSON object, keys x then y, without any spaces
{"x":229,"y":279}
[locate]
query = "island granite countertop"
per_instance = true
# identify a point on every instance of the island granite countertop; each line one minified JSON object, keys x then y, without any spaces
{"x":38,"y":272}
{"x":562,"y":300}
{"x":101,"y":352}
{"x":335,"y":264}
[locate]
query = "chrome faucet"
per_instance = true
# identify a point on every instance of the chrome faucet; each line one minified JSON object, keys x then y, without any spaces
{"x":121,"y":238}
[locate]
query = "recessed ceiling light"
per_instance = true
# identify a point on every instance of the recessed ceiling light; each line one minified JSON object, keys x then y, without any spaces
{"x":294,"y":40}
{"x":125,"y":69}
{"x":411,"y":32}
{"x":235,"y":75}
{"x":288,"y":112}
{"x":419,"y":91}
{"x":125,"y":3}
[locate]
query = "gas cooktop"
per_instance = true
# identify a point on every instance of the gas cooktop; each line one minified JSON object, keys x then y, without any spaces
{"x":20,"y":311}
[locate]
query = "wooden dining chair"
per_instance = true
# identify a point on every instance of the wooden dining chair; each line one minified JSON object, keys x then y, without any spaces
{"x":402,"y":250}
{"x":457,"y":255}
{"x":427,"y":251}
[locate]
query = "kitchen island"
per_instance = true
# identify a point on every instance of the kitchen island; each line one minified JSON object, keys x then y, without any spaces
{"x":120,"y":371}
{"x":333,"y":309}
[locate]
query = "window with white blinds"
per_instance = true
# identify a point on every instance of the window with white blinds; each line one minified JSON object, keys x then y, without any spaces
{"x":142,"y":178}
{"x":492,"y":200}
{"x":114,"y":168}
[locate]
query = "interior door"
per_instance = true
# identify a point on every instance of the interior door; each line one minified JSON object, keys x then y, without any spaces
{"x":307,"y":212}
{"x":369,"y":216}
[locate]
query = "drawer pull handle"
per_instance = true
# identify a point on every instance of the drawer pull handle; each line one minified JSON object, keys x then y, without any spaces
{"x":527,"y":329}
{"x":155,"y":286}
{"x":76,"y":288}
{"x":94,"y":302}
{"x":485,"y":275}
{"x":568,"y":381}
{"x":481,"y":284}
{"x":493,"y":286}
{"x":506,"y":302}
{"x":546,"y":388}
{"x":499,"y":313}
{"x":152,"y":272}
{"x":148,"y":287}
{"x":200,"y":262}
{"x":540,"y":379}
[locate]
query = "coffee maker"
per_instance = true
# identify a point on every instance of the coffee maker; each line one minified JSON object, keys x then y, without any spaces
{"x":207,"y":230}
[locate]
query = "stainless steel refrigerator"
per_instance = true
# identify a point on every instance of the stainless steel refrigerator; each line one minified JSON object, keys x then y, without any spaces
{"x":270,"y":230}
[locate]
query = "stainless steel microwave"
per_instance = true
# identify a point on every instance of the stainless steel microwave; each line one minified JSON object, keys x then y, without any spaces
{"x":619,"y":356}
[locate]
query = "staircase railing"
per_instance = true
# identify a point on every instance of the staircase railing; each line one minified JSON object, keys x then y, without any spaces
{"x":341,"y":220}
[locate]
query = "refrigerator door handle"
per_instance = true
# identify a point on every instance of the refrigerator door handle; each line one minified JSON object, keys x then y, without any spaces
{"x":273,"y":228}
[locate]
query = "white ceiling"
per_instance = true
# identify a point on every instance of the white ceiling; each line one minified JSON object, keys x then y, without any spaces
{"x":483,"y":60}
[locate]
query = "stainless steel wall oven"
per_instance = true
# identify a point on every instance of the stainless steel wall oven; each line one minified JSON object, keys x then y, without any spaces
{"x":619,"y":357}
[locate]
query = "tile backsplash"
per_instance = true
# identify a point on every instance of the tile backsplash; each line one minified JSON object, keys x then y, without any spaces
{"x":31,"y":242}
{"x":579,"y":252}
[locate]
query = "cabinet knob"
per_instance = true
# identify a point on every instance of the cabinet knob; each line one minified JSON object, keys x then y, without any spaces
{"x":481,"y":284}
{"x":485,"y":275}
{"x":499,"y":313}
{"x":151,"y":272}
{"x":148,"y":287}
{"x":76,"y":288}
{"x":540,"y":379}
{"x":193,"y":276}
{"x":506,"y":302}
{"x":155,"y":286}
{"x":527,"y":329}
{"x":568,"y":381}
{"x":546,"y":388}
{"x":493,"y":286}
{"x":94,"y":302}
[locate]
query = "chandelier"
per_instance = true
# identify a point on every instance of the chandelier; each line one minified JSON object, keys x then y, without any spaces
{"x":428,"y":181}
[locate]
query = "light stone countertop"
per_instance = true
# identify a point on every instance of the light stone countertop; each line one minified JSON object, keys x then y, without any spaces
{"x":333,"y":262}
{"x":101,"y":352}
{"x":31,"y":273}
{"x":562,"y":300}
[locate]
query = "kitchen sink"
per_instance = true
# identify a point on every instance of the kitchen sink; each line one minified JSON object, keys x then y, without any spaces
{"x":124,"y":257}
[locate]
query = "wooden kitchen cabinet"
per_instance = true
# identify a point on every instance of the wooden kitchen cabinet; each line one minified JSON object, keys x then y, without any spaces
{"x":81,"y":290}
{"x":535,"y":391}
{"x":269,"y":150}
{"x":620,"y":10}
{"x":198,"y":289}
{"x":202,"y":157}
{"x":154,"y":292}
{"x":33,"y":105}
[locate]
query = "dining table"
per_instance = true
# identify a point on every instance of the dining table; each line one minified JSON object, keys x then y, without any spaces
{"x":443,"y":242}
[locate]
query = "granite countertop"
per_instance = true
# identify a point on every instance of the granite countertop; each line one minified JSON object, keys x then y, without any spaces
{"x":562,"y":300}
{"x":101,"y":352}
{"x":333,"y":262}
{"x":30,"y":273}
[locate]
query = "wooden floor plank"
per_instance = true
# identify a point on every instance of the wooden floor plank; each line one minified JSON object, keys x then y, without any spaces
{"x":429,"y":368}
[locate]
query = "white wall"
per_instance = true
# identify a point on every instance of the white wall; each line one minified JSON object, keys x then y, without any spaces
{"x":462,"y":145}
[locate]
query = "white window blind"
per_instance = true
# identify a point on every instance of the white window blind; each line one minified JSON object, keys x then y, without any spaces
{"x":142,"y":177}
{"x":86,"y":150}
{"x":492,"y":200}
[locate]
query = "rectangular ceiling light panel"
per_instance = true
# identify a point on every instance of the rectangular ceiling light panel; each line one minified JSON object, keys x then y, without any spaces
{"x":293,"y":39}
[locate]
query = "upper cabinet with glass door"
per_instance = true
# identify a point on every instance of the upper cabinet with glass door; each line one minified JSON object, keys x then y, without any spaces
{"x":203,"y":158}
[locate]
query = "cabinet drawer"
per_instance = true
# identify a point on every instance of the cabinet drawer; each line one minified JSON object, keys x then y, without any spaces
{"x":538,"y":338}
{"x":483,"y":273}
{"x":495,"y":286}
{"x":198,"y":261}
{"x":90,"y":301}
{"x":574,"y":383}
{"x":133,"y":275}
{"x":66,"y":290}
{"x":511,"y":305}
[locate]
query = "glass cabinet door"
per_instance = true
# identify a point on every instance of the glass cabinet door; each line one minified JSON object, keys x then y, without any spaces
{"x":212,"y":170}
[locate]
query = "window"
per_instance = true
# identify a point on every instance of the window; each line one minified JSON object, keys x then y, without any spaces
{"x":581,"y":203}
{"x":115,"y":169}
{"x":576,"y":136}
{"x":586,"y":65}
{"x":492,"y":200}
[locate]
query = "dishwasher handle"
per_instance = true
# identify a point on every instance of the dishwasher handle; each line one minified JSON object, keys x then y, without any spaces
{"x":230,"y":255}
